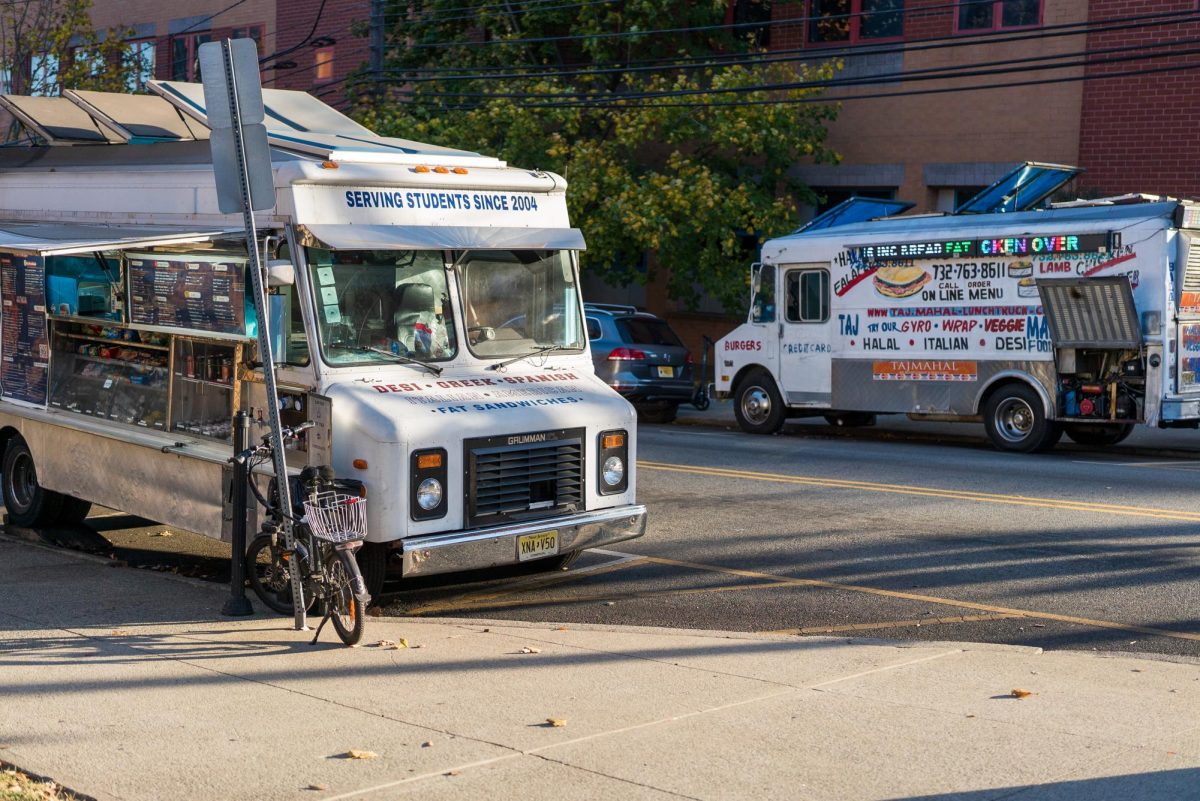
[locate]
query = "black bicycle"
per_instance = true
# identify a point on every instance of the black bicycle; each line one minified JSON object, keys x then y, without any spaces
{"x":329,"y":523}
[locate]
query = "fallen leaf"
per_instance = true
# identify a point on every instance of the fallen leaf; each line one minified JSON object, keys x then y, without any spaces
{"x":316,"y":787}
{"x":557,"y":723}
{"x":120,"y":633}
{"x":402,"y":643}
{"x":418,"y":645}
{"x":163,"y":533}
{"x":451,"y":773}
{"x":1019,"y":693}
{"x":374,"y":611}
{"x":485,"y":631}
{"x":385,"y":644}
{"x":427,"y":744}
{"x":1136,"y":670}
{"x":561,"y":628}
{"x":528,"y":650}
{"x":355,"y":754}
{"x":970,"y":716}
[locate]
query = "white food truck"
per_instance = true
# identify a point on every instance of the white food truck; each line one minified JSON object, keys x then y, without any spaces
{"x":424,"y":313}
{"x":1080,"y":317}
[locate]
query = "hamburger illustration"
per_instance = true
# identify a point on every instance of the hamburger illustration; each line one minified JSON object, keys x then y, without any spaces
{"x":1026,"y":288}
{"x":1020,"y":269}
{"x":900,"y":282}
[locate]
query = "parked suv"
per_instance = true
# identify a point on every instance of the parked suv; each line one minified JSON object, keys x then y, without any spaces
{"x":639,"y":356}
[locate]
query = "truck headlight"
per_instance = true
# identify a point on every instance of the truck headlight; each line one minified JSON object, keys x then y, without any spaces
{"x":614,"y":471}
{"x":427,"y":484}
{"x":612,"y":454}
{"x":429,"y":494}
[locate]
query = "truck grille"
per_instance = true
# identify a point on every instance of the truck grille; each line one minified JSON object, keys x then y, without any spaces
{"x":524,"y":476}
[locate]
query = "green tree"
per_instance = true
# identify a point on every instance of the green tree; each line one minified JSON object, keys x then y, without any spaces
{"x":49,"y":45}
{"x":657,"y":159}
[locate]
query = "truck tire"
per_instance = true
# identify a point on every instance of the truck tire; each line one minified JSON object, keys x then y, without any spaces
{"x":1097,"y":433}
{"x":372,"y":563}
{"x":29,"y":503}
{"x":1016,"y":420}
{"x":758,"y":405}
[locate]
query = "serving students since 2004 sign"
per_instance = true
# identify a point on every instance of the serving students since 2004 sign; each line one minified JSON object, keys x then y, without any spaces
{"x":200,"y":293}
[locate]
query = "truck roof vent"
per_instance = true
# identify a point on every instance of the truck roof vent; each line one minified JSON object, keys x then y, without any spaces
{"x":1091,"y":312}
{"x":1191,"y":271}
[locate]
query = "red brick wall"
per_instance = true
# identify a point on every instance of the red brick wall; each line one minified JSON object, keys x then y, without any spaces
{"x":1137,"y":131}
{"x":295,"y":19}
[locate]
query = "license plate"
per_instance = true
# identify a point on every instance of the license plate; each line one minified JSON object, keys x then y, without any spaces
{"x":535,"y":546}
{"x":666,"y":372}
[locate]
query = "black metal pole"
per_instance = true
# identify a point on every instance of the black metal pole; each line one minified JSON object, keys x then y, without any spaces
{"x":238,"y":605}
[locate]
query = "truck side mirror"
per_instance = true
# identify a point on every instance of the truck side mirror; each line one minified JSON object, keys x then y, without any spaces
{"x":280,"y":272}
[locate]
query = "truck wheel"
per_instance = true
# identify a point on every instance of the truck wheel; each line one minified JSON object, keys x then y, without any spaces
{"x":1097,"y":434}
{"x":29,"y":503}
{"x":661,"y":413}
{"x":1015,"y":420}
{"x":372,"y":563}
{"x":758,"y":406}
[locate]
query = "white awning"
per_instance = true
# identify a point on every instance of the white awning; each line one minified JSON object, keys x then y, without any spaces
{"x":443,"y":237}
{"x":59,"y":239}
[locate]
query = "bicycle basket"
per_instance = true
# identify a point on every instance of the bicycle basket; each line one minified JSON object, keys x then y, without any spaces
{"x":336,"y":516}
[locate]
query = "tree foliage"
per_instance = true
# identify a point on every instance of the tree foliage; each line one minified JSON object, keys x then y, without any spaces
{"x":658,"y":160}
{"x":49,"y":45}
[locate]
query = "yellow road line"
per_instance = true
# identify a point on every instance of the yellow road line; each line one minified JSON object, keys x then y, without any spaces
{"x":930,"y":599}
{"x":894,"y":624}
{"x":931,"y":492}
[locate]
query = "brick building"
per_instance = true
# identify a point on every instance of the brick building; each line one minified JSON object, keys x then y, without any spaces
{"x":935,"y":148}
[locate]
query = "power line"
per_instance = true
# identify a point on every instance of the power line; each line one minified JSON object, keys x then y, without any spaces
{"x":775,"y":56}
{"x":617,"y":107}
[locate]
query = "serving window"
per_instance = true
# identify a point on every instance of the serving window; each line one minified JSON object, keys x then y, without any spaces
{"x":152,"y":339}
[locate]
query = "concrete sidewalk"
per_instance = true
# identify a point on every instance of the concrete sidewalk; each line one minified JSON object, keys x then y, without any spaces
{"x":124,"y":684}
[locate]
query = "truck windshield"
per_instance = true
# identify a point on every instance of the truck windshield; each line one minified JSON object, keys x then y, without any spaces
{"x":519,"y":302}
{"x":374,"y":303}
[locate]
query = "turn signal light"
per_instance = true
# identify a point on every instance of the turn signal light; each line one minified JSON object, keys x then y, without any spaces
{"x":441,"y":170}
{"x":420,"y":169}
{"x":329,"y":165}
{"x":461,"y":170}
{"x":627,"y":355}
{"x":429,"y":461}
{"x":611,"y":441}
{"x":359,"y":464}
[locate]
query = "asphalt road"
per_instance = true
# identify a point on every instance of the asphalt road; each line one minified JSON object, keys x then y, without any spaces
{"x":903,"y":531}
{"x":884,"y":534}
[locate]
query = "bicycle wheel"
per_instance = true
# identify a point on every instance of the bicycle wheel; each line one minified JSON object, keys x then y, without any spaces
{"x":348,"y":614}
{"x":269,"y":576}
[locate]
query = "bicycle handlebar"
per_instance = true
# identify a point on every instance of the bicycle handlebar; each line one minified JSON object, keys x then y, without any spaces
{"x":265,"y":445}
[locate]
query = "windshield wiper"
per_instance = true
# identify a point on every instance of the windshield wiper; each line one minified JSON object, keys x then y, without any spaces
{"x":530,"y":355}
{"x":433,"y":368}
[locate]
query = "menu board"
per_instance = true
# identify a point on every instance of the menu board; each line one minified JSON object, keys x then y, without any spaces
{"x":24,"y":345}
{"x":201,"y":293}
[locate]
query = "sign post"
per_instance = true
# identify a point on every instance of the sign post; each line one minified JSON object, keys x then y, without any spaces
{"x":245,"y":183}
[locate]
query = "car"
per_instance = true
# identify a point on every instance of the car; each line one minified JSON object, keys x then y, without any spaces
{"x":640,"y":357}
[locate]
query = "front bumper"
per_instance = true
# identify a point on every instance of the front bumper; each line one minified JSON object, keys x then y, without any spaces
{"x":496,"y":546}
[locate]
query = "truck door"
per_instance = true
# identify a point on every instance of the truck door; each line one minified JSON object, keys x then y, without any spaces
{"x":764,"y":314}
{"x":805,"y":359}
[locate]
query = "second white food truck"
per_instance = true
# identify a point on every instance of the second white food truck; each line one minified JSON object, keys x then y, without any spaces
{"x":425,"y":311}
{"x":1081,"y":318}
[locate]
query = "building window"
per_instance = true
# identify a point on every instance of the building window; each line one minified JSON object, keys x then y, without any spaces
{"x":990,"y":15}
{"x":138,"y":58}
{"x":185,"y":64}
{"x":841,"y":21}
{"x":323,"y":61}
{"x":752,"y":18}
{"x":831,"y":197}
{"x":43,"y":74}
